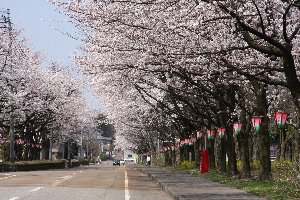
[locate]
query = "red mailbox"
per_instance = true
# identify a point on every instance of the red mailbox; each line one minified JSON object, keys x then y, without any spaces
{"x":204,"y":161}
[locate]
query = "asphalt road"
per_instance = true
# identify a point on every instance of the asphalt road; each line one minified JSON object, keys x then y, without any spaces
{"x":93,"y":182}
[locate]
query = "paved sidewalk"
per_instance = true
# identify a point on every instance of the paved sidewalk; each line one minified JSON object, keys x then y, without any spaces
{"x":183,"y":186}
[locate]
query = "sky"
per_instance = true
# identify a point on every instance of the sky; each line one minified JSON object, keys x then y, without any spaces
{"x":47,"y":31}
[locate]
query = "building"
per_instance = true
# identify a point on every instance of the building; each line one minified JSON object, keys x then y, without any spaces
{"x":129,"y":156}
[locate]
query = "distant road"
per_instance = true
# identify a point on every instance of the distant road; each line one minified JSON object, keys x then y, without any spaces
{"x":93,"y":182}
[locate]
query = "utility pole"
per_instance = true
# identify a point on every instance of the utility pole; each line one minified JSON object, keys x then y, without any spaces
{"x":69,"y":149}
{"x":11,"y":120}
{"x":12,"y":139}
{"x":51,"y":144}
{"x":87,"y":148}
{"x":81,"y":148}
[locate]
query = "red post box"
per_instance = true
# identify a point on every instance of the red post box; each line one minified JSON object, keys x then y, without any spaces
{"x":204,"y":161}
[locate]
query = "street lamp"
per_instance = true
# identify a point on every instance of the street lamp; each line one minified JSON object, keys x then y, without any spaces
{"x":280,"y":119}
{"x":256,"y":122}
{"x":237,"y":126}
{"x":221,"y":132}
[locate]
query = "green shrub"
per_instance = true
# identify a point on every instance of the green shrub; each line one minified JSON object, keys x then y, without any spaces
{"x":158,"y":160}
{"x":282,"y":164}
{"x":46,"y":164}
{"x":38,"y":165}
{"x":187,"y":166}
{"x":255,"y":165}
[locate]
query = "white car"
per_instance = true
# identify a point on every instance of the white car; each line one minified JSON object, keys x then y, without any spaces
{"x":128,"y":160}
{"x":122,"y":162}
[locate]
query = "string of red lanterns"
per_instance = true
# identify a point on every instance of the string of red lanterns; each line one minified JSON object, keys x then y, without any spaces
{"x":279,"y":117}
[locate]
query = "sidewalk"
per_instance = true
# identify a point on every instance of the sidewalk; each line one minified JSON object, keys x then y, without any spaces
{"x":183,"y":186}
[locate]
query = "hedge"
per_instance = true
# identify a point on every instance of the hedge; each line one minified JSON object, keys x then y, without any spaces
{"x":41,"y":165}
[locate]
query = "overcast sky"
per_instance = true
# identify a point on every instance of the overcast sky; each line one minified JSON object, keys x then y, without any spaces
{"x":44,"y":28}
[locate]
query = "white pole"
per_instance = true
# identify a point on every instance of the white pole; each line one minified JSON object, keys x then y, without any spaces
{"x":205,"y":142}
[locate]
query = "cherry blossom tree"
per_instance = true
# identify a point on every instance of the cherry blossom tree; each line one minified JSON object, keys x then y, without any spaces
{"x":36,"y":100}
{"x":202,"y":54}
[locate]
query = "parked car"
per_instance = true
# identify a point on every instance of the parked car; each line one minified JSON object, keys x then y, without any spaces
{"x":122,"y":162}
{"x":116,"y":162}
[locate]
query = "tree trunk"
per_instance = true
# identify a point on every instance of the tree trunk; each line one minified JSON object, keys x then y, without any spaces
{"x":297,"y":149}
{"x":222,"y":157}
{"x":181,"y":154}
{"x":264,"y":137}
{"x":211,"y":154}
{"x":243,"y":144}
{"x":197,"y":154}
{"x":264,"y":144}
{"x":192,"y":150}
{"x":232,"y":162}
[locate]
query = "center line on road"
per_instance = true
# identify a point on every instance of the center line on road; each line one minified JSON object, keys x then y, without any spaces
{"x":127,"y":195}
{"x":36,"y":189}
{"x":14,"y":198}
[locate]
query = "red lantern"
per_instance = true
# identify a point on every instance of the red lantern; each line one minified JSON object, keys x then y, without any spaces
{"x":199,"y":134}
{"x":280,"y":119}
{"x":237,"y":126}
{"x":210,"y":134}
{"x":221,"y":132}
{"x":181,"y":142}
{"x":256,"y":122}
{"x":20,"y":141}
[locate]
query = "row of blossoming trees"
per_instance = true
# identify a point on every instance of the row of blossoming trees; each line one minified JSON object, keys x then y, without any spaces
{"x":167,"y":69}
{"x":37,"y":101}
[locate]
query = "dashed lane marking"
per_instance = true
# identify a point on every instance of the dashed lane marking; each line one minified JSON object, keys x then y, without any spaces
{"x":7,"y":176}
{"x":36,"y":189}
{"x":14,"y":198}
{"x":60,"y":181}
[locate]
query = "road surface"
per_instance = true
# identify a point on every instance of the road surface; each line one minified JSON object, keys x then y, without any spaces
{"x":93,"y":182}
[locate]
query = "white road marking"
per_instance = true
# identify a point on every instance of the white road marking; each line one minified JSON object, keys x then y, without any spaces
{"x":7,"y":174}
{"x":57,"y":182}
{"x":14,"y":198}
{"x":127,"y":195}
{"x":36,"y":189}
